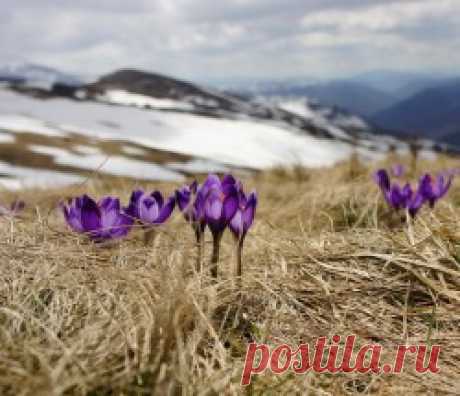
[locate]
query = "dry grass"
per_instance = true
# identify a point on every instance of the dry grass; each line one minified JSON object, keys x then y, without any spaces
{"x":324,"y":257}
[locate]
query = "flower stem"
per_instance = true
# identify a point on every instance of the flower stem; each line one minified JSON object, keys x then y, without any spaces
{"x":215,"y":253}
{"x":238,"y":257}
{"x":199,"y":235}
{"x":238,"y":270}
{"x":410,"y":229}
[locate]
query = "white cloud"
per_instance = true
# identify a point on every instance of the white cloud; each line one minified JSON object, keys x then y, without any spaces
{"x":263,"y":38}
{"x":383,"y":16}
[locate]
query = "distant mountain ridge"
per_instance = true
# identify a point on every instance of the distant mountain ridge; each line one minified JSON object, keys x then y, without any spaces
{"x":433,"y":113}
{"x":352,"y":96}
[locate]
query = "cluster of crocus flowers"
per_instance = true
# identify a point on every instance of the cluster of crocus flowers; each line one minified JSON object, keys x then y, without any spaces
{"x":217,"y":204}
{"x":106,"y":219}
{"x":404,"y":197}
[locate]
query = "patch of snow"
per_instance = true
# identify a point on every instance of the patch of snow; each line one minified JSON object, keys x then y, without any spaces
{"x":247,"y":143}
{"x":81,"y":94}
{"x":20,"y":123}
{"x":299,"y":107}
{"x":47,"y":150}
{"x":87,"y":150}
{"x":350,"y":121}
{"x":198,"y":166}
{"x":336,"y":123}
{"x":119,"y":166}
{"x":22,"y":177}
{"x":118,"y":96}
{"x":6,"y":137}
{"x":242,"y":142}
{"x":131,"y":150}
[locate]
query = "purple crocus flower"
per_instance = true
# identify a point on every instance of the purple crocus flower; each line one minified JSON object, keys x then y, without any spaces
{"x":212,"y":203}
{"x":433,"y":189}
{"x":244,"y":216}
{"x":150,"y":209}
{"x":240,"y":224}
{"x":101,"y":221}
{"x":15,"y":208}
{"x":400,"y":197}
{"x":190,"y":200}
{"x":220,"y":205}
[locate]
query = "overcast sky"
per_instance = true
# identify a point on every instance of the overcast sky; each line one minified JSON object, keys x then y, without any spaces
{"x":222,"y":39}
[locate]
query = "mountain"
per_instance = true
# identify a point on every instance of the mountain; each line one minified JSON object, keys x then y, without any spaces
{"x":146,"y":126}
{"x":352,"y":96}
{"x":433,"y":113}
{"x":158,"y":92}
{"x":401,"y":84}
{"x":36,"y":75}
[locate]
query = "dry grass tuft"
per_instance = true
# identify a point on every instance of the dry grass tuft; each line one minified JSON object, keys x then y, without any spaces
{"x":325,"y":257}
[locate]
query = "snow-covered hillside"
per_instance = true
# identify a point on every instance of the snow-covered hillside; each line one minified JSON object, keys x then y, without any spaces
{"x":172,"y":133}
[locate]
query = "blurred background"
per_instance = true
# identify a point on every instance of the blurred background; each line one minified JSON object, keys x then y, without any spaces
{"x":159,"y":90}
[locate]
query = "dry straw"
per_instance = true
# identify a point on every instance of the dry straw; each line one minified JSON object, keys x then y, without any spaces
{"x":324,"y":257}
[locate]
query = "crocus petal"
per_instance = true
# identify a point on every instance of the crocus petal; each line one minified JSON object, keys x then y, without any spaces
{"x":199,"y":207}
{"x":213,"y":209}
{"x":242,"y":198}
{"x":228,"y":179}
{"x":121,"y":226}
{"x":90,"y":215}
{"x":193,"y":186}
{"x":425,"y":188}
{"x":148,"y":209}
{"x":406,"y":195}
{"x":166,"y":210}
{"x":110,"y":210}
{"x":158,"y":198}
{"x":212,"y":181}
{"x":382,"y":179}
{"x":395,"y":198}
{"x":442,"y":186}
{"x":236,"y":224}
{"x":133,"y":208}
{"x":416,"y":203}
{"x":183,"y":197}
{"x":72,"y":218}
{"x":230,"y":206}
{"x":249,"y":211}
{"x":109,"y":203}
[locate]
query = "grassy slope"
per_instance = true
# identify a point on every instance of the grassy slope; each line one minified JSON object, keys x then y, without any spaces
{"x":323,"y":258}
